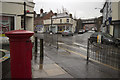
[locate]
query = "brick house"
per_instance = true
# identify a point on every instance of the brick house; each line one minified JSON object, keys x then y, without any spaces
{"x":39,"y":18}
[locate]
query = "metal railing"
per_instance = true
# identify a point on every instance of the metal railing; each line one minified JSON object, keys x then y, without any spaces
{"x":107,"y":54}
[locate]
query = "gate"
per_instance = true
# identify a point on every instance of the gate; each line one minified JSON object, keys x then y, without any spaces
{"x":107,"y":54}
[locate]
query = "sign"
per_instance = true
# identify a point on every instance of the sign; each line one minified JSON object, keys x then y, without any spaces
{"x":107,"y":22}
{"x":4,"y":24}
{"x":99,"y":39}
{"x":38,"y":27}
{"x":110,"y":19}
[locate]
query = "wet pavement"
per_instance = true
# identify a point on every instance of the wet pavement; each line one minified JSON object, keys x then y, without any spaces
{"x":50,"y":70}
{"x":77,"y":66}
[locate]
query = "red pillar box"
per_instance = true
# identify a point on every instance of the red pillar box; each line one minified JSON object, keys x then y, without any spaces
{"x":20,"y":53}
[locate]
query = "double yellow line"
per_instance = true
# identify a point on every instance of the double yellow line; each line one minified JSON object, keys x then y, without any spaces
{"x":89,"y":58}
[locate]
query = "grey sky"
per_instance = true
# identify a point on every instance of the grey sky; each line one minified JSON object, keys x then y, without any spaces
{"x":80,"y":8}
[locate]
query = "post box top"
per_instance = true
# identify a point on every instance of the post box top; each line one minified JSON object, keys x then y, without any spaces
{"x":19,"y":33}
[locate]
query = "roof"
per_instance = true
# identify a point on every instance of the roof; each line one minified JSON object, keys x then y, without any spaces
{"x":61,"y":15}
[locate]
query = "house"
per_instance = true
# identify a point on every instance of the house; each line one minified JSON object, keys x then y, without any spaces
{"x":111,"y":18}
{"x":38,"y":21}
{"x":60,"y":22}
{"x":11,"y":15}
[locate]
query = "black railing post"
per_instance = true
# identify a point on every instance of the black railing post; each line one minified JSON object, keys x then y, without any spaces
{"x":41,"y":54}
{"x":24,"y":15}
{"x":36,"y":44}
{"x":57,"y":43}
{"x":88,"y":50}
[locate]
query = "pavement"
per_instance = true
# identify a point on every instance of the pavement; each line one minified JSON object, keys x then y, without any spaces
{"x":50,"y":70}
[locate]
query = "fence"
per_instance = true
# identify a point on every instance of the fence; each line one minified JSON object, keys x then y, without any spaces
{"x":51,"y":39}
{"x":107,"y":54}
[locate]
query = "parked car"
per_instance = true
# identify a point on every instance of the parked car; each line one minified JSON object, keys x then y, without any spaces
{"x":105,"y":39}
{"x":67,"y":33}
{"x":91,"y":31}
{"x":81,"y":31}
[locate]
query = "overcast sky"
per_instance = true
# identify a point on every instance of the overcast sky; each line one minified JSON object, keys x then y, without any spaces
{"x":80,"y":8}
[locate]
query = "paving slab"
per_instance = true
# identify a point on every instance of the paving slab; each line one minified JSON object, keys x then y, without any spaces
{"x":50,"y":70}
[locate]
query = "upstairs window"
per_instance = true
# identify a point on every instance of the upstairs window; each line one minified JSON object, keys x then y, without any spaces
{"x":60,"y":20}
{"x":67,"y":20}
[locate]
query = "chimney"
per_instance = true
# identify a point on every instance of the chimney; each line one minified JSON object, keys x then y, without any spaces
{"x":66,"y":13}
{"x":70,"y":15}
{"x":41,"y":11}
{"x":55,"y":14}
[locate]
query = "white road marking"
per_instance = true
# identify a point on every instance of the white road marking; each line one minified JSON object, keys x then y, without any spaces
{"x":79,"y":44}
{"x":73,"y":46}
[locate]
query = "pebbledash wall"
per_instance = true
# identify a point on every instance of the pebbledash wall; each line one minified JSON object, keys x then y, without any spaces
{"x":11,"y":15}
{"x":111,"y":9}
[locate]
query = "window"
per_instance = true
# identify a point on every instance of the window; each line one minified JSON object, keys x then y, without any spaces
{"x":67,"y":20}
{"x":6,"y":23}
{"x":60,"y":20}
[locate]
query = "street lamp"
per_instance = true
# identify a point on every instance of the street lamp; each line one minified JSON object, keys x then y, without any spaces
{"x":51,"y":26}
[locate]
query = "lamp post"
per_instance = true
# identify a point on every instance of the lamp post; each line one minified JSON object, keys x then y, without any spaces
{"x":25,"y":14}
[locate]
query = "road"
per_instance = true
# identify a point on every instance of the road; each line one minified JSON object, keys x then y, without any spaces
{"x":77,"y":39}
{"x":77,"y":43}
{"x":71,"y":56}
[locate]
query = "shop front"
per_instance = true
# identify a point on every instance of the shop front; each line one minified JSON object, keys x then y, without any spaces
{"x":6,"y":24}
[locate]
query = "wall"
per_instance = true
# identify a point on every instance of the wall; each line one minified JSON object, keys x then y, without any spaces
{"x":114,"y":11}
{"x":57,"y":21}
{"x":119,"y":10}
{"x":111,"y":29}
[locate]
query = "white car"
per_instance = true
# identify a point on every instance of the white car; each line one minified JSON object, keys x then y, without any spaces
{"x":67,"y":33}
{"x":81,"y":31}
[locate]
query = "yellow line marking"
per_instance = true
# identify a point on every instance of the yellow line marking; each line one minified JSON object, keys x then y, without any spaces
{"x":5,"y":57}
{"x":90,"y":59}
{"x":74,"y":52}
